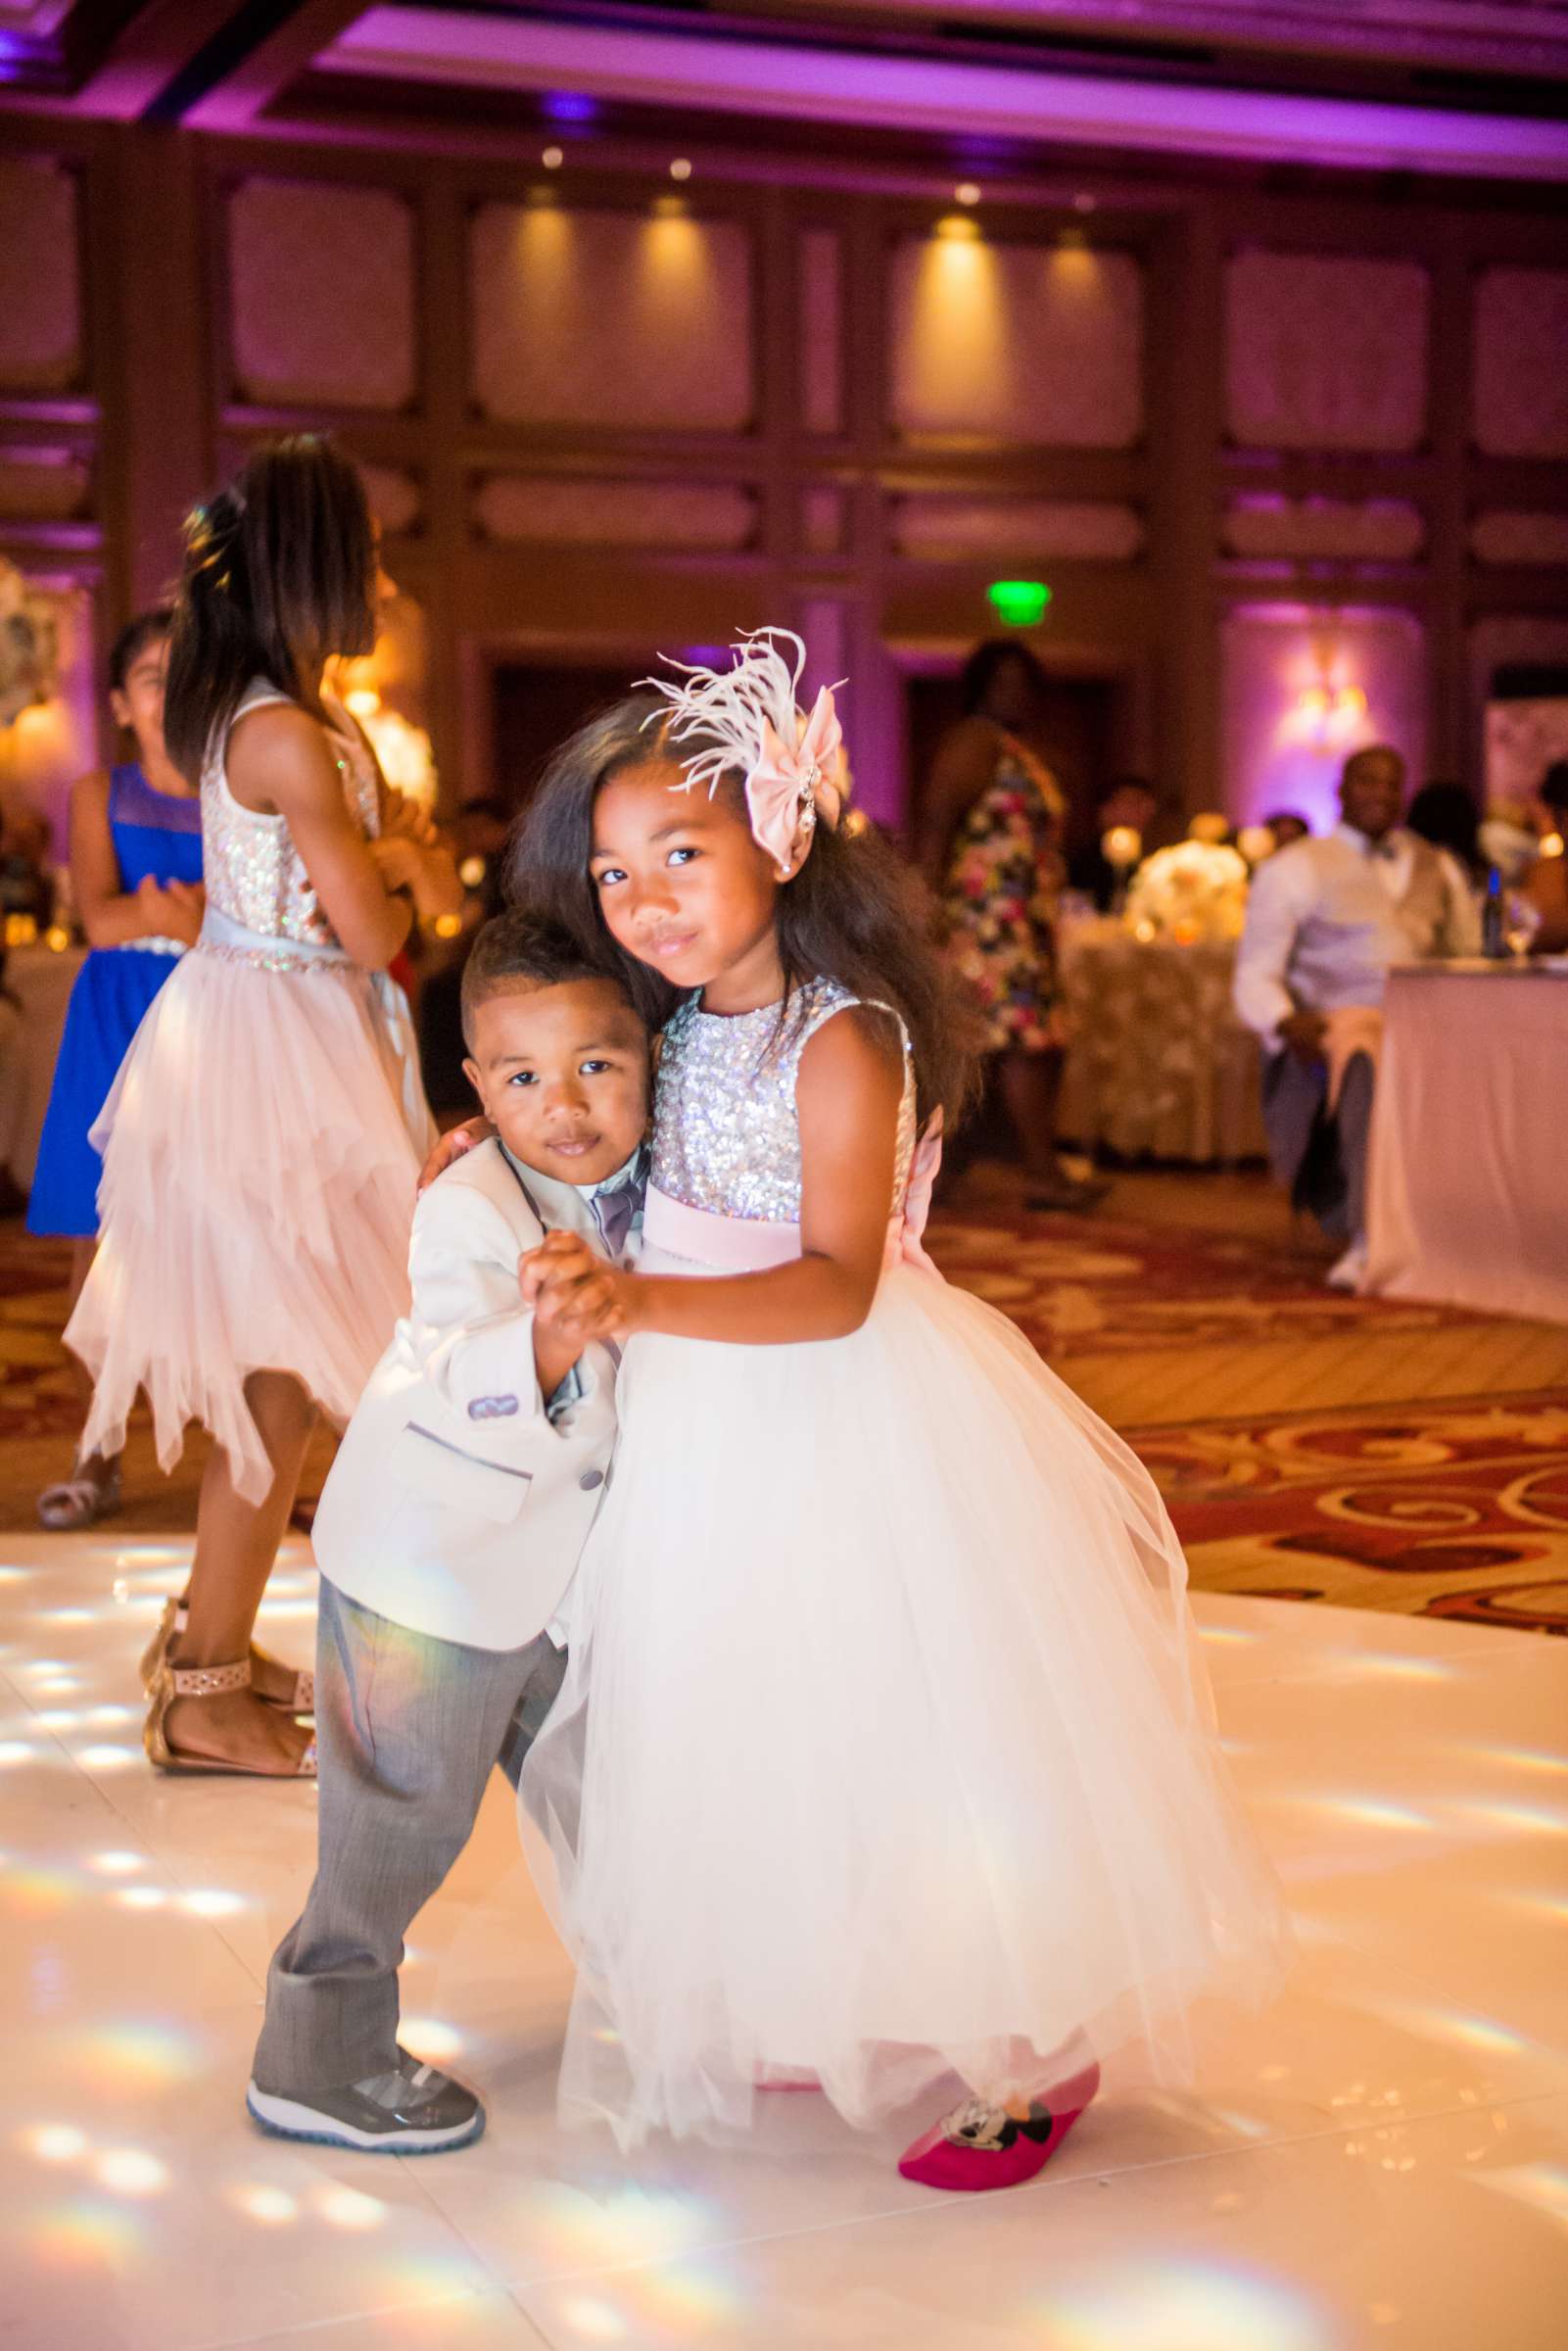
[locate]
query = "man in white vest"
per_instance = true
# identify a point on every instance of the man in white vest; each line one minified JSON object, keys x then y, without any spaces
{"x":1325,"y":920}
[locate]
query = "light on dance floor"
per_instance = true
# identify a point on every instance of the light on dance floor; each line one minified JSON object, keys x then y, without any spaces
{"x":131,"y":2171}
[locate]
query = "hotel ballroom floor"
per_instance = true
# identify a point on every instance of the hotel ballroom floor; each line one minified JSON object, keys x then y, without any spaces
{"x":1380,"y":2158}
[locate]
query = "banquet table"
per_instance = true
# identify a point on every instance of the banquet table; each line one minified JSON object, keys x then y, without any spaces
{"x":38,"y":979}
{"x":1158,"y":1063}
{"x":1467,"y":1202}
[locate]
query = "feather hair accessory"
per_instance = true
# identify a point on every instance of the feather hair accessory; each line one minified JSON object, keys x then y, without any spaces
{"x":748,"y":720}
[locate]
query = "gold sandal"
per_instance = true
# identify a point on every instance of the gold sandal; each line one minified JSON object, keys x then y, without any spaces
{"x":172,"y":1623}
{"x":206,"y":1681}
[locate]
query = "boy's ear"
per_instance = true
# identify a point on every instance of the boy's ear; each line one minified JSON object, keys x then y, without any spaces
{"x":118,"y":706}
{"x":471,"y":1073}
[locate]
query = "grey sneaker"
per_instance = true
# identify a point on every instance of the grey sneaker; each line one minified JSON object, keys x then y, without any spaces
{"x":415,"y":2110}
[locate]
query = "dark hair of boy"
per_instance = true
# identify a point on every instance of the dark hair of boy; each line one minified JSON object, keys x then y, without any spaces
{"x":524,"y":947}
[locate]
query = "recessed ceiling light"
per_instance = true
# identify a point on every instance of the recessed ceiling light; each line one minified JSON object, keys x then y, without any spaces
{"x":552,"y":158}
{"x":968,"y":191}
{"x":1084,"y":204}
{"x":680,"y":168}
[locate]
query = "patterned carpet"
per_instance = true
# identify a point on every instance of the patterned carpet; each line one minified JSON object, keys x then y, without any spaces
{"x":1443,"y":1510}
{"x":1298,"y":1440}
{"x":1091,"y":1285}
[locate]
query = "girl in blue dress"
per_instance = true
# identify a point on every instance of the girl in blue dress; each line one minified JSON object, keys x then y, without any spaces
{"x":136,"y":875}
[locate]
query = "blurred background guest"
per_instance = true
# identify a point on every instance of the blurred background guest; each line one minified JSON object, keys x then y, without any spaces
{"x":477,"y":836}
{"x":1545,"y":885}
{"x":1445,"y":815}
{"x":1129,"y":802}
{"x":27,"y":883}
{"x":136,"y":883}
{"x":1325,"y":920}
{"x":1288,"y":825}
{"x":990,"y":840}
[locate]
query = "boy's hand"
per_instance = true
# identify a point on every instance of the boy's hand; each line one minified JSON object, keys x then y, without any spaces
{"x":575,"y":1295}
{"x":453,"y":1146}
{"x":567,"y":1251}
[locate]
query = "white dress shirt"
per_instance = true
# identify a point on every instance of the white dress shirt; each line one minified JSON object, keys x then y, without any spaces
{"x":1327,"y":917}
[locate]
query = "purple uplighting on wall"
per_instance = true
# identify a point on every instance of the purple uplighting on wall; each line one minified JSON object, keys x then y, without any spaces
{"x":1300,"y":689}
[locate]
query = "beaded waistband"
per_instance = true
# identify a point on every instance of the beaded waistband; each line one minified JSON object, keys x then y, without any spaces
{"x":230,"y":940}
{"x":146,"y":946}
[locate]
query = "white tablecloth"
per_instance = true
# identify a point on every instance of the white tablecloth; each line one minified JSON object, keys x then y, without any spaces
{"x":39,"y":982}
{"x":1468,"y":1203}
{"x":1157,"y":1061}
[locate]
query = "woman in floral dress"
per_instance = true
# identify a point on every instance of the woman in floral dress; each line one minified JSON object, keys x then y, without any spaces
{"x":990,"y":843}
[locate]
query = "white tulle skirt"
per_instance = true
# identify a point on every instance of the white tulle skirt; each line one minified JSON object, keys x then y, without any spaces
{"x":886,"y":1752}
{"x":262,"y":1147}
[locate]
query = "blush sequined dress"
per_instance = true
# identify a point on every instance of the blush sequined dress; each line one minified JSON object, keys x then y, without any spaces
{"x":886,"y":1752}
{"x":261,"y":1146}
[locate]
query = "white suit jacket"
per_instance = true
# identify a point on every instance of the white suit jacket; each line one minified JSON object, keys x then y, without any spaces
{"x":457,"y":1504}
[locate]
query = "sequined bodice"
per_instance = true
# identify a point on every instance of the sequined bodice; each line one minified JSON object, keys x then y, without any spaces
{"x":726,"y":1131}
{"x":254,"y":873}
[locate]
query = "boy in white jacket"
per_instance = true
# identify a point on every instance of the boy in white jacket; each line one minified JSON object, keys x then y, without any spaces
{"x":448,"y":1531}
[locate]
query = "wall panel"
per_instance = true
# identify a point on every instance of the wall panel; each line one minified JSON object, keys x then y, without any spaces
{"x":1035,"y":345}
{"x":40,"y":293}
{"x":611,"y":320}
{"x":1521,"y":378}
{"x":1325,"y":352}
{"x":321,"y":294}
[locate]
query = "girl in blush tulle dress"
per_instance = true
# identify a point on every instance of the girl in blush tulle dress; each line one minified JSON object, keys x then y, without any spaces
{"x":263,"y":1141}
{"x":886,"y":1754}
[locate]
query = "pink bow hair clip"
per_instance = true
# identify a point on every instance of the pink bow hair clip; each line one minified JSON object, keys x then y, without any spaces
{"x":787,"y":790}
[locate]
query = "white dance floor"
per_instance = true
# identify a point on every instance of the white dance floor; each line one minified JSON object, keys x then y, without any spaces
{"x":1379,"y":2159}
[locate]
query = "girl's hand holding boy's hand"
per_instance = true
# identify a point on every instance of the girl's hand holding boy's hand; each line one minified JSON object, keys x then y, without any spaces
{"x":453,"y":1146}
{"x":574,"y":1292}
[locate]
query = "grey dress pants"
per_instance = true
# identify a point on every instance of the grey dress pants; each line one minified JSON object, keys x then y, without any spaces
{"x":1321,"y":1155}
{"x":407,"y":1729}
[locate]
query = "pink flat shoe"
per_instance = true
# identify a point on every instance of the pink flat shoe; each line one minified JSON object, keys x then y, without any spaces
{"x":980,"y":2146}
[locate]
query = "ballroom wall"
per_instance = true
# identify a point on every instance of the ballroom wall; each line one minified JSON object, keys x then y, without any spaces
{"x":1290,"y":463}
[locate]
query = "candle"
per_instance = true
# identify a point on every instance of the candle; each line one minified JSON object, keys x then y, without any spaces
{"x":1122,"y":846}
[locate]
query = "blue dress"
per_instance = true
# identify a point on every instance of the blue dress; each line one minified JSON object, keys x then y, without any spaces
{"x":153,"y":834}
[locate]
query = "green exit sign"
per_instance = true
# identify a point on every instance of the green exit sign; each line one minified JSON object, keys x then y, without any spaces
{"x":1019,"y":604}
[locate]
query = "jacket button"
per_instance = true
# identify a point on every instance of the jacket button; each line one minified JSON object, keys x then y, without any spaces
{"x":589,"y":1479}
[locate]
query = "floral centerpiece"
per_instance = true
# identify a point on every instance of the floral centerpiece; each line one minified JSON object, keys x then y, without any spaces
{"x":1196,"y":890}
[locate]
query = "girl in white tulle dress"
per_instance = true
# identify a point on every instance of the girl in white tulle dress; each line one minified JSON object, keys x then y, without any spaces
{"x":263,"y":1141}
{"x":886,"y":1754}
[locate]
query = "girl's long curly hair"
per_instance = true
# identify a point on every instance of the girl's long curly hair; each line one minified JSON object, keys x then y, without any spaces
{"x":855,"y":912}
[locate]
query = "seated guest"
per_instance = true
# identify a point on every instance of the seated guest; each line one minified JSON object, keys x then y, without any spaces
{"x":1325,"y":919}
{"x":479,"y":833}
{"x":1288,"y":826}
{"x":27,"y":884}
{"x":1445,"y":815}
{"x":1545,"y":885}
{"x":1127,"y":800}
